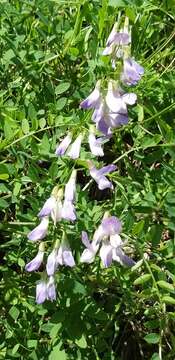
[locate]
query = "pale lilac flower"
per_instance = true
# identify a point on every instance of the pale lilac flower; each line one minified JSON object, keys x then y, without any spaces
{"x":51,"y":289}
{"x":99,"y":175}
{"x":116,"y":100}
{"x":41,"y":291}
{"x":70,"y":187}
{"x":51,"y":265}
{"x":68,"y":210}
{"x":132,"y":72}
{"x":95,"y":145}
{"x":89,"y":253}
{"x":109,"y":226}
{"x":74,"y":150}
{"x":106,"y":254}
{"x":62,"y":147}
{"x":65,"y":256}
{"x":93,"y":99}
{"x":40,"y":231}
{"x":37,"y":261}
{"x":56,"y":213}
{"x":116,"y":39}
{"x":48,"y":207}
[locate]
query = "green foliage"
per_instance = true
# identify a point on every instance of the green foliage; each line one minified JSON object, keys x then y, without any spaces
{"x":50,"y":60}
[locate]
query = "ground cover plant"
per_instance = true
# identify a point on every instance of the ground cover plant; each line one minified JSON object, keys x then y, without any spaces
{"x":87,"y":200}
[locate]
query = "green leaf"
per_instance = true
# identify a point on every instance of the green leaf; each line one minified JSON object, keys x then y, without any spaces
{"x":81,"y":342}
{"x":168,"y":300}
{"x":14,"y":312}
{"x":57,"y":354}
{"x":61,"y":88}
{"x":60,"y":104}
{"x":4,"y":176}
{"x":155,"y":356}
{"x":152,"y":338}
{"x":25,"y":126}
{"x":117,"y":3}
{"x":32,"y":343}
{"x":165,"y":285}
{"x":15,"y":349}
{"x":142,"y":279}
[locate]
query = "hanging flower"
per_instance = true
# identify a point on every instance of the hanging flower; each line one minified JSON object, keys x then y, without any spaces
{"x":48,"y":207}
{"x":65,"y":256}
{"x":37,"y":261}
{"x":51,"y":265}
{"x":95,"y":144}
{"x":107,"y":238}
{"x":99,"y":175}
{"x":68,"y":209}
{"x":51,"y":289}
{"x":132,"y":72}
{"x":93,"y":100}
{"x":41,"y":291}
{"x":74,"y":150}
{"x":40,"y":231}
{"x":62,"y":147}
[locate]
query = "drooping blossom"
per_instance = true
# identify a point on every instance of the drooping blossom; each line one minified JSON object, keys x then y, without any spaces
{"x":65,"y":256}
{"x":51,"y":289}
{"x":68,"y":209}
{"x":45,"y":289}
{"x":48,"y":207}
{"x":74,"y":149}
{"x":116,"y":38}
{"x":99,"y":175}
{"x":132,"y":72}
{"x":51,"y":265}
{"x":36,"y":262}
{"x":107,"y":240}
{"x":41,"y":291}
{"x":89,"y":253}
{"x":63,"y":146}
{"x":93,"y":100}
{"x":95,"y":144}
{"x":40,"y":231}
{"x":56,"y":213}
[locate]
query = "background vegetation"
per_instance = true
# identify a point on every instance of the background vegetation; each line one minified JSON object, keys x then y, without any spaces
{"x":50,"y":58}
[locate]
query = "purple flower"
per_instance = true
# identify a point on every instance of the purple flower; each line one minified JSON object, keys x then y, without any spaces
{"x":37,"y":261}
{"x":99,"y":176}
{"x":74,"y":150}
{"x":48,"y":207}
{"x":132,"y":72}
{"x":65,"y":256}
{"x":52,"y":262}
{"x":41,"y":291}
{"x":89,"y":253}
{"x":68,"y":211}
{"x":95,"y":145}
{"x":93,"y":100}
{"x":108,"y":227}
{"x":108,"y":239}
{"x":62,"y":147}
{"x":40,"y":231}
{"x":56,"y":213}
{"x":70,"y":187}
{"x":116,"y":39}
{"x":51,"y":289}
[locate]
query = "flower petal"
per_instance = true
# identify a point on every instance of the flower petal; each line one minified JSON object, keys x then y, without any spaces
{"x":68,"y":211}
{"x":62,"y":147}
{"x":36,"y":262}
{"x":93,"y":99}
{"x":41,"y":292}
{"x":70,"y":187}
{"x":87,"y":256}
{"x":47,"y":207}
{"x":106,"y":254}
{"x":74,"y":151}
{"x":111,"y":225}
{"x":52,"y":262}
{"x":51,"y":289}
{"x":68,"y":257}
{"x":95,"y":145}
{"x":40,"y":231}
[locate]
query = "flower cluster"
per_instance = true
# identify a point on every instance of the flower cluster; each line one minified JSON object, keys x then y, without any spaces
{"x":110,"y":110}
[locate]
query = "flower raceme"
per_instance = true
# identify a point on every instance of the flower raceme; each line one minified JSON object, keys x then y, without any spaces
{"x":107,"y":239}
{"x":110,"y":111}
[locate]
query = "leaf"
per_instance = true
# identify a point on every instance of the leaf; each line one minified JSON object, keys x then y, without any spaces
{"x":117,"y":3}
{"x":168,"y":300}
{"x":165,"y":285}
{"x":152,"y":338}
{"x":14,"y":312}
{"x":15,"y":349}
{"x":56,"y":354}
{"x":25,"y":126}
{"x":61,"y":103}
{"x":4,"y":176}
{"x":142,"y":279}
{"x":151,"y":141}
{"x":155,"y":356}
{"x":61,"y":88}
{"x":82,"y":342}
{"x":32,"y":343}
